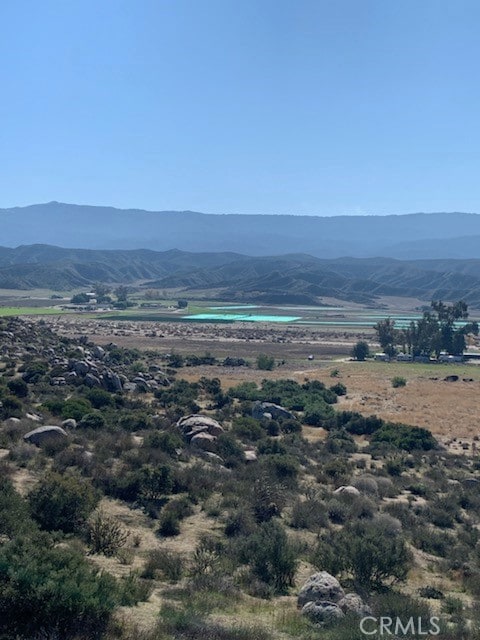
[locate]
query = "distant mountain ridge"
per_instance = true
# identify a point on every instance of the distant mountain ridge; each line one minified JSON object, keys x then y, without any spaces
{"x":288,"y":279}
{"x":410,"y":236}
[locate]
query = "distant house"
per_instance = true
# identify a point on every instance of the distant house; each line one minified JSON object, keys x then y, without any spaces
{"x":445,"y":357}
{"x":382,"y":357}
{"x":404,"y":357}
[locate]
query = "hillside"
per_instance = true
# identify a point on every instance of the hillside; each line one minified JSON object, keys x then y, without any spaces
{"x":294,"y":279}
{"x":418,"y":235}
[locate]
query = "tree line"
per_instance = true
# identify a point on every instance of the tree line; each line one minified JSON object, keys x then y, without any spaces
{"x":441,"y":329}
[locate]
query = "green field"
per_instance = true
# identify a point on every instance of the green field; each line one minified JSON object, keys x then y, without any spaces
{"x":30,"y":311}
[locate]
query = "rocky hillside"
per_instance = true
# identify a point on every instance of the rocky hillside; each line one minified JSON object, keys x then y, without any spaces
{"x":265,"y":512}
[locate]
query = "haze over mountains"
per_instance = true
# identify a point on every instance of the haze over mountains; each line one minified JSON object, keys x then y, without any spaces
{"x":413,"y":236}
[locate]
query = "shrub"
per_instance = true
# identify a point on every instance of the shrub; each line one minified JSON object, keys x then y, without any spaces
{"x":265,"y":362}
{"x":52,"y":590}
{"x":339,"y":389}
{"x":75,"y":408}
{"x":166,"y":442}
{"x":366,"y":553}
{"x":169,"y":525}
{"x":405,"y":437}
{"x":105,"y":535}
{"x":92,"y":420}
{"x":18,"y":387}
{"x":134,"y":589}
{"x":308,"y":514}
{"x":100,"y":398}
{"x":272,"y":557}
{"x":14,"y":512}
{"x":398,"y":381}
{"x":62,"y":502}
{"x":169,"y":564}
{"x":10,"y":407}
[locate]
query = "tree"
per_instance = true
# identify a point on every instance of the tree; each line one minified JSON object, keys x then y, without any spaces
{"x":387,"y":335}
{"x":182,"y":304}
{"x":80,"y":298}
{"x":101,"y":291}
{"x":361,"y":351}
{"x":122,"y":292}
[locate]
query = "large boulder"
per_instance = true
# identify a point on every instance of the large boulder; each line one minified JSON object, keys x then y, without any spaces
{"x":44,"y":435}
{"x":260,"y":409}
{"x":323,"y":612}
{"x":196,"y":423}
{"x":320,"y":586}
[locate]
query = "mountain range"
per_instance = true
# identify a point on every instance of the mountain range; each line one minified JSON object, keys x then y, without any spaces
{"x":288,"y":279}
{"x":412,"y":236}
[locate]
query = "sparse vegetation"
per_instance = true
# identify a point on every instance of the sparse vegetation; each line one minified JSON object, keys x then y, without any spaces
{"x":229,"y":521}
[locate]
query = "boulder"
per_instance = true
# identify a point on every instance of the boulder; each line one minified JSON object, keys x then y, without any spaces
{"x":204,"y":441}
{"x":69,"y":423}
{"x":92,"y":381}
{"x":98,"y":352}
{"x":188,"y":423}
{"x":320,"y":586}
{"x":347,"y":490}
{"x":250,"y":456}
{"x":323,"y":612}
{"x":46,"y":434}
{"x":81,"y":367}
{"x":111,"y":381}
{"x":353,"y":603}
{"x":275,"y":410}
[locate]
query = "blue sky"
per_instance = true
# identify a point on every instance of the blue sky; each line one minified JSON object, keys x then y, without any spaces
{"x":242,"y":106}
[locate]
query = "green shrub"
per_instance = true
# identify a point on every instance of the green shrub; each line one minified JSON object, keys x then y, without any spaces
{"x":405,"y":437}
{"x":364,"y":552}
{"x":75,"y":408}
{"x":14,"y":511}
{"x":18,"y":387}
{"x":272,"y":557}
{"x":163,"y":440}
{"x":265,"y":362}
{"x":62,"y":502}
{"x":52,"y":590}
{"x":92,"y":420}
{"x":398,"y":381}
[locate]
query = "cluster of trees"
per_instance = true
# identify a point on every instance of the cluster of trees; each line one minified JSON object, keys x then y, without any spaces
{"x":443,"y":328}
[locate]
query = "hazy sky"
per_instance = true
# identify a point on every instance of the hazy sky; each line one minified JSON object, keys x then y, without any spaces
{"x":242,"y":106}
